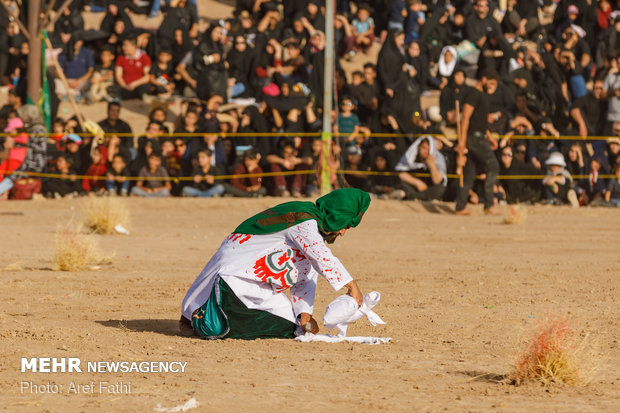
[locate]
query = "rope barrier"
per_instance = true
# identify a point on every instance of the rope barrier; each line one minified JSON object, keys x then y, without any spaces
{"x":318,"y":134}
{"x":283,"y":173}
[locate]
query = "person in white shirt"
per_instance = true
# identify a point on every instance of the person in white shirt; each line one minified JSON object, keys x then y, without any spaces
{"x":240,"y":292}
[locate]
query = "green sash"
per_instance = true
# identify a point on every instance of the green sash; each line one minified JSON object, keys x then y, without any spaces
{"x":225,"y":316}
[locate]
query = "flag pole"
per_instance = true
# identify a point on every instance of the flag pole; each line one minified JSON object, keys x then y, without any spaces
{"x":328,"y":79}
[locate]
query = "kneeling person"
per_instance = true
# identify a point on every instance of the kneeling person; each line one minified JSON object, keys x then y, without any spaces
{"x":240,"y":292}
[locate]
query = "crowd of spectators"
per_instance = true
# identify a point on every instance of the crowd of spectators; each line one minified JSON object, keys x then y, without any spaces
{"x":261,"y":71}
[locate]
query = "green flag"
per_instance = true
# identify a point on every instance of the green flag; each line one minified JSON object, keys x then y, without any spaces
{"x":45,"y":100}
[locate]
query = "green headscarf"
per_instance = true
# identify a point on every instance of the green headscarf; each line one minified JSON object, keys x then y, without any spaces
{"x":339,"y":209}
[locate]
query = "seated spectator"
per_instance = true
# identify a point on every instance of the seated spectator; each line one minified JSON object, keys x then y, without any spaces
{"x":286,"y":160}
{"x":116,"y":182}
{"x":153,"y":182}
{"x":241,"y":59}
{"x":113,"y":124}
{"x":249,"y":186}
{"x":14,"y":148}
{"x":114,"y":14}
{"x":67,"y":184}
{"x":518,"y":190}
{"x":97,"y":168}
{"x":78,"y":65}
{"x":384,"y":186}
{"x":423,"y":156}
{"x":209,"y":64}
{"x":161,"y":75}
{"x":204,"y":184}
{"x":559,"y":185}
{"x":612,"y":195}
{"x":595,"y":186}
{"x":521,"y":18}
{"x":103,"y":77}
{"x":71,"y":143}
{"x":131,"y":72}
{"x":363,"y":28}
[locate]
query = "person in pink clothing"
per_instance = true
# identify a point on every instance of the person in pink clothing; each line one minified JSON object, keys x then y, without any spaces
{"x":15,"y":148}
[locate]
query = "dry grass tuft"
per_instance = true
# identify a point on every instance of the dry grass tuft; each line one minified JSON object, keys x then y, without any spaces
{"x":556,"y":355}
{"x":104,"y":213}
{"x":75,"y":250}
{"x":515,"y":215}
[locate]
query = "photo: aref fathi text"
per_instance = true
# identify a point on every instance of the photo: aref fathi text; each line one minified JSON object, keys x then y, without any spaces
{"x":75,"y":365}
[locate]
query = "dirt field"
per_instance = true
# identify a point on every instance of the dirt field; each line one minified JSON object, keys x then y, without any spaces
{"x":459,"y":296}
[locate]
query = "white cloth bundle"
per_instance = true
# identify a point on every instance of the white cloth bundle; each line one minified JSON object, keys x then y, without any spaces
{"x":344,"y":310}
{"x":326,"y":338}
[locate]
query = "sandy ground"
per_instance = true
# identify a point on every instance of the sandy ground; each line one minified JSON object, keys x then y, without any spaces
{"x":460,"y":295}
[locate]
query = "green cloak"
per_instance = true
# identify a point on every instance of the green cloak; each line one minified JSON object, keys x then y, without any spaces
{"x":337,"y":210}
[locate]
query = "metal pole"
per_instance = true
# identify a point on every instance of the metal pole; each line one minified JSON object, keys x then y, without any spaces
{"x":328,"y":82}
{"x":34,"y":56}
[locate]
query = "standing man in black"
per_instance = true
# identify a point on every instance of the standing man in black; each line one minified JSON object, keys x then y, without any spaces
{"x":475,"y":146}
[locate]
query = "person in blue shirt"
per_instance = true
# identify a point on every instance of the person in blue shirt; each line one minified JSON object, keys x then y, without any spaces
{"x":78,"y":65}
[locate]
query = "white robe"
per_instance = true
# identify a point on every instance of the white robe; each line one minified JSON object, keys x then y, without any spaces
{"x":259,"y":268}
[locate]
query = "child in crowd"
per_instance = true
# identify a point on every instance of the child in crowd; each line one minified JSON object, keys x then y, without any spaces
{"x":558,"y":182}
{"x":247,"y":187}
{"x":103,"y":77}
{"x":67,"y":184}
{"x":204,"y":184}
{"x":116,"y":182}
{"x":415,"y":20}
{"x":353,"y":162}
{"x":97,"y":168}
{"x":153,"y":181}
{"x":363,"y":28}
{"x":348,"y":122}
{"x":595,"y":186}
{"x":162,"y":74}
{"x":72,"y":148}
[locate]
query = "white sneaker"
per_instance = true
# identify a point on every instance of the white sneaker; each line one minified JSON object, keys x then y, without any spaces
{"x":398,"y":194}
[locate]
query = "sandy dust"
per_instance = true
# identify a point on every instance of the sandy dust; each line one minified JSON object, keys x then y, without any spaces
{"x":459,"y":296}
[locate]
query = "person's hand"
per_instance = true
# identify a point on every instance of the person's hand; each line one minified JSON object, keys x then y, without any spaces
{"x":306,"y":318}
{"x":430,"y":160}
{"x":197,"y":178}
{"x":461,"y":149}
{"x":209,"y":179}
{"x":131,"y":86}
{"x":389,"y":92}
{"x":421,"y":186}
{"x":536,"y":163}
{"x":216,"y":57}
{"x":355,"y":292}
